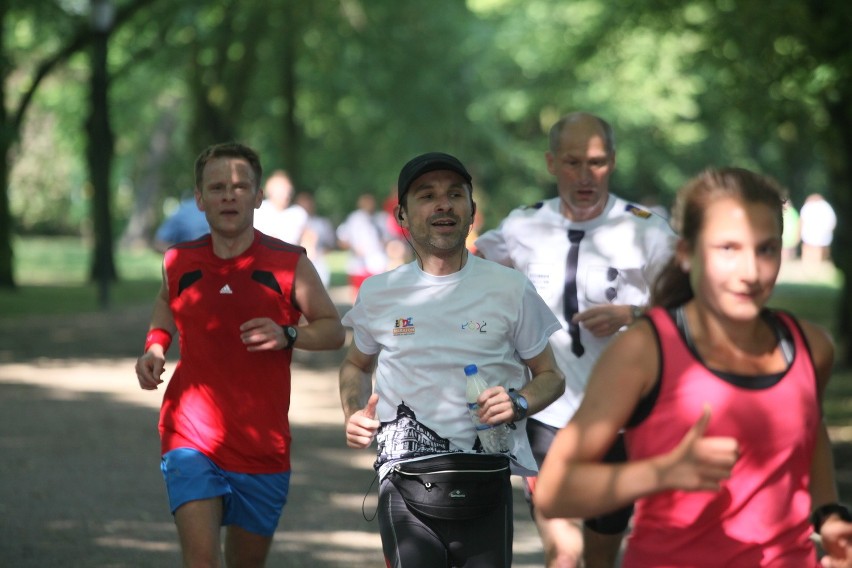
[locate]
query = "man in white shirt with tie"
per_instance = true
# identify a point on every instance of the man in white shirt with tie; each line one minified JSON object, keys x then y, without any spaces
{"x":592,"y":256}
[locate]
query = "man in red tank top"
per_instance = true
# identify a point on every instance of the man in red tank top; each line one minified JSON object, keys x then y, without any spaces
{"x":236,"y":297}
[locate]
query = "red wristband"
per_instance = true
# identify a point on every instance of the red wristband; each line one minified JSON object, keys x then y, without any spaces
{"x":160,"y":336}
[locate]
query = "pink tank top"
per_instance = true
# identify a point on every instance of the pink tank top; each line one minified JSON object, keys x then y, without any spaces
{"x":760,"y":516}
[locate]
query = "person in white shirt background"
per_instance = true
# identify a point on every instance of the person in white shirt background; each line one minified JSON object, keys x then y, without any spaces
{"x":277,"y":216}
{"x":591,"y":256}
{"x":361,"y":234}
{"x":817,"y":221}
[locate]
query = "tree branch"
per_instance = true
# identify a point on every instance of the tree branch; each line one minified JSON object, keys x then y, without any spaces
{"x":81,"y":39}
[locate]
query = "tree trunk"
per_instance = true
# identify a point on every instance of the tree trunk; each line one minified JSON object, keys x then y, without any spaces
{"x":7,"y":138}
{"x":10,"y":123}
{"x":99,"y":156}
{"x":289,"y":42}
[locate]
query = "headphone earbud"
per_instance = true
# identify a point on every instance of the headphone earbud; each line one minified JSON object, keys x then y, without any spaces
{"x":399,"y":215}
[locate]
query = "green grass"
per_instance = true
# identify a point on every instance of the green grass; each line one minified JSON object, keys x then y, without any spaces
{"x":812,"y":302}
{"x":45,"y":300}
{"x":64,"y":261}
{"x":52,"y":277}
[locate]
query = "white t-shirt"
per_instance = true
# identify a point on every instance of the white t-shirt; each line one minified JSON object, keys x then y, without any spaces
{"x":287,"y":225}
{"x":817,"y":221}
{"x":621,"y":252}
{"x":426,"y":329}
{"x":363,"y":236}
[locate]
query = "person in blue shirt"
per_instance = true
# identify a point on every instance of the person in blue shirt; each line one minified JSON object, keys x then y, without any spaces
{"x":187,"y":223}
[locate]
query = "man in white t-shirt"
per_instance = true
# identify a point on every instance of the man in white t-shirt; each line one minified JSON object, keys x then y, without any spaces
{"x":595,"y":290}
{"x":817,"y":222}
{"x":361,"y":235}
{"x":418,"y":326}
{"x":276,"y":216}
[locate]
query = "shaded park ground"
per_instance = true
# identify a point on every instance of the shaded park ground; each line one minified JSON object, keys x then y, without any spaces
{"x":80,"y":484}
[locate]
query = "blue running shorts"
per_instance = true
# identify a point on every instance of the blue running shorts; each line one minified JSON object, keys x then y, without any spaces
{"x":251,"y":501}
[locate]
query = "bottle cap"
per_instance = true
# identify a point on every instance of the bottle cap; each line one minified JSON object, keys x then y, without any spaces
{"x":470,"y":370}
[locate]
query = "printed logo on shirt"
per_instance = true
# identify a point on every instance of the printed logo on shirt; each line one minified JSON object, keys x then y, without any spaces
{"x":541,"y":276}
{"x":637,"y":211}
{"x":474,"y":326}
{"x":404,"y":326}
{"x":226,"y":290}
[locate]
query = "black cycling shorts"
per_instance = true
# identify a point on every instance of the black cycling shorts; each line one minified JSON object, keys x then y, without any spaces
{"x":412,"y":540}
{"x":541,"y":436}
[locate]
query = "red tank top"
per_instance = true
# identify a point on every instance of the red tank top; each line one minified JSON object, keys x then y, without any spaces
{"x":222,"y":400}
{"x":760,"y":516}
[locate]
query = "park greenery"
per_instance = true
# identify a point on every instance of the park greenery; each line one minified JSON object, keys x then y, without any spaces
{"x":103,"y":116}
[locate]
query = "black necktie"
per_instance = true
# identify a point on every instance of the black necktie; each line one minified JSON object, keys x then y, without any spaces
{"x":569,"y":299}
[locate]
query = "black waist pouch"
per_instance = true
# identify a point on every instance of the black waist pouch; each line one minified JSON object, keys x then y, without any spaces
{"x":454,"y":486}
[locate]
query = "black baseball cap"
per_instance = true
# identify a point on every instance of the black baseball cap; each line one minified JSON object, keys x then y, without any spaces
{"x":425,"y":163}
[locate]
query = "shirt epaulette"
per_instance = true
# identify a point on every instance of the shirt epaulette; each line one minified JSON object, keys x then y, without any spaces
{"x":639,"y":212}
{"x":538,"y":205}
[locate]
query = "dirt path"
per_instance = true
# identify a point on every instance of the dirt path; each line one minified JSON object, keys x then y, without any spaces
{"x":79,"y":479}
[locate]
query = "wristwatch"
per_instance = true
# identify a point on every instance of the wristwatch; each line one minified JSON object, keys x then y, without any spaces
{"x":519,"y":402}
{"x":636,"y":312}
{"x":291,"y":333}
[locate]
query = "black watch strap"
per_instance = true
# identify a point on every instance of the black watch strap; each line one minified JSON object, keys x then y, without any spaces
{"x":290,"y":333}
{"x":822,"y":512}
{"x":519,"y":408}
{"x":636,"y":312}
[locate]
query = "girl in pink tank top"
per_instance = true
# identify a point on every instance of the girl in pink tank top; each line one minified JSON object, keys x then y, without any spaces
{"x":720,"y":400}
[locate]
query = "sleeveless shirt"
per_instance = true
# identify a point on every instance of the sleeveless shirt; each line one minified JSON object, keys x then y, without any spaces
{"x":759,"y":518}
{"x":230,"y":404}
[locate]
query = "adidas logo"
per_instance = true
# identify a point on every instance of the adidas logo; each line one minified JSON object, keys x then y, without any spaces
{"x":226,"y":290}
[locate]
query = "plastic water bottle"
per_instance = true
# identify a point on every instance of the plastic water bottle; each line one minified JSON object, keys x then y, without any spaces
{"x":494,"y":439}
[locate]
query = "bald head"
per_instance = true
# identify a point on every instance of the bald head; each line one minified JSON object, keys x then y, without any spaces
{"x":582,"y":125}
{"x":581,"y":158}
